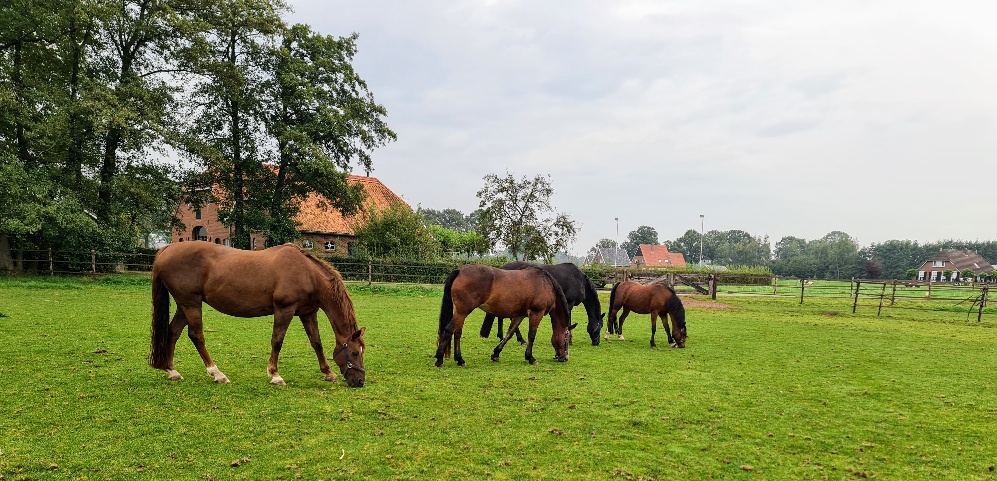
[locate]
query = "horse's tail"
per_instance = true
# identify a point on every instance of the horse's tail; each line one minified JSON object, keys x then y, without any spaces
{"x":486,"y":327}
{"x":160,"y":346}
{"x":446,"y":310}
{"x":612,"y":295}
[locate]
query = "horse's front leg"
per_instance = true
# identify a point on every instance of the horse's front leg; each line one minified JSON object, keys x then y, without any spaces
{"x":310,"y":321}
{"x":281,"y":321}
{"x":668,"y":330}
{"x":532,"y":336}
{"x":513,"y":325}
{"x":195,"y":331}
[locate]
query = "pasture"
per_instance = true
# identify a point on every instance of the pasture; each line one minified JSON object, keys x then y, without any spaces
{"x":766,"y":389}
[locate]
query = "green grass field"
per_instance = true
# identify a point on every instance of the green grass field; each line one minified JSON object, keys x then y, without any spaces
{"x":767,"y":389}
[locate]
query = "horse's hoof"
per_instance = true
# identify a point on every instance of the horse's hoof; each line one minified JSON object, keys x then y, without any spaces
{"x":331,"y":377}
{"x":621,"y":337}
{"x":278,"y":381}
{"x":174,"y":376}
{"x":461,"y":363}
{"x":532,"y":361}
{"x":674,"y":344}
{"x":495,"y":358}
{"x":439,"y":363}
{"x":654,"y":346}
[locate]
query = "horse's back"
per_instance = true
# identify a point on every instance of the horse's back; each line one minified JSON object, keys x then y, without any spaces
{"x":504,"y":293}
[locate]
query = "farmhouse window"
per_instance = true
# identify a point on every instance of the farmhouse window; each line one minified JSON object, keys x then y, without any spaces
{"x":307,"y":244}
{"x":920,"y":275}
{"x":330,"y":246}
{"x":197,"y":213}
{"x":937,"y":263}
{"x":254,"y":243}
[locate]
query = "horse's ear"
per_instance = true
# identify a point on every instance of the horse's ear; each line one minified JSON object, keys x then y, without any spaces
{"x":358,"y":334}
{"x":572,"y":326}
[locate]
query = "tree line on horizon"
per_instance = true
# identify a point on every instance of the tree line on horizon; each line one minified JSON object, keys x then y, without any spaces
{"x":836,"y":255}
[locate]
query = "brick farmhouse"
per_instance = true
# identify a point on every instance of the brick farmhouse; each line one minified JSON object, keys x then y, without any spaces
{"x":323,"y":229}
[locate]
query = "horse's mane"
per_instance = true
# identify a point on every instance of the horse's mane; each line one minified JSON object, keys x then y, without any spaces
{"x":562,"y":301}
{"x":336,"y":286}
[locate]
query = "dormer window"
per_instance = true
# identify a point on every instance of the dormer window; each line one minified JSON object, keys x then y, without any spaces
{"x":937,"y":263}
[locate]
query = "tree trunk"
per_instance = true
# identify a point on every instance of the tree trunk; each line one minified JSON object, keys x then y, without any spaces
{"x":6,"y":261}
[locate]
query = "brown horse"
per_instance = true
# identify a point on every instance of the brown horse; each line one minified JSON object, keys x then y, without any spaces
{"x":284,"y":281}
{"x":529,"y":292}
{"x":655,"y":299}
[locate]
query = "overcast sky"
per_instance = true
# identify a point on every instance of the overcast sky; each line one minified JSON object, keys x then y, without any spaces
{"x":779,"y":118}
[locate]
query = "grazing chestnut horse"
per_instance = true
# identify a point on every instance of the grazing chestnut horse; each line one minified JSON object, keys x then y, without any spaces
{"x":655,"y":299}
{"x":285,"y":281}
{"x":578,"y":289}
{"x":517,"y":294}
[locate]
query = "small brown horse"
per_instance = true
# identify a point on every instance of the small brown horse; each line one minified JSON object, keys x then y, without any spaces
{"x":655,"y":299}
{"x":529,"y":292}
{"x":284,"y":281}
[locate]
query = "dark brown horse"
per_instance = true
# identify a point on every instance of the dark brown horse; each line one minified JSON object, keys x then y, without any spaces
{"x":655,"y":299}
{"x":517,"y":294}
{"x":284,"y":281}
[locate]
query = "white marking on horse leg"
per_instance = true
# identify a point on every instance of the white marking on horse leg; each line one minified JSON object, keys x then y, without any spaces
{"x":217,"y":374}
{"x":331,"y":377}
{"x":174,"y":376}
{"x":277,"y":380}
{"x":621,"y":337}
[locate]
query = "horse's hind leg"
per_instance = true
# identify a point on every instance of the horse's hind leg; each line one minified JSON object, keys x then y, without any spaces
{"x":619,"y":326}
{"x":310,"y":321}
{"x":513,"y":325}
{"x":176,"y":330}
{"x":195,"y":331}
{"x":281,"y":321}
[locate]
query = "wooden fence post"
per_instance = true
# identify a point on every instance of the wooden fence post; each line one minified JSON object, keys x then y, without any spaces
{"x":93,"y":262}
{"x":882,"y":295}
{"x":893,"y":296}
{"x":775,"y":285}
{"x":370,"y":272}
{"x":983,"y":301}
{"x":714,"y":280}
{"x":51,"y":263}
{"x":858,"y":287}
{"x":803,"y":282}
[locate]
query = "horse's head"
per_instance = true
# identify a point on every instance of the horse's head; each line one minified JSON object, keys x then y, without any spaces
{"x":561,"y":346}
{"x":595,"y":327}
{"x":349,"y":357}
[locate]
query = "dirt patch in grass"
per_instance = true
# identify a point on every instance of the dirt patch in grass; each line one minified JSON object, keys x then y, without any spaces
{"x":706,"y":304}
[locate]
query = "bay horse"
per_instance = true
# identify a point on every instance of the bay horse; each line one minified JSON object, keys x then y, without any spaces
{"x":655,"y":299}
{"x":519,"y":294}
{"x":578,"y":289}
{"x":284,"y":281}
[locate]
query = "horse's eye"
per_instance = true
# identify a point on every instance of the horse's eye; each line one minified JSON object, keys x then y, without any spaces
{"x":356,"y":353}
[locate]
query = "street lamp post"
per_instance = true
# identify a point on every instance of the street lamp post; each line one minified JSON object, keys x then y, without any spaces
{"x":616,"y":257}
{"x":702,"y":223}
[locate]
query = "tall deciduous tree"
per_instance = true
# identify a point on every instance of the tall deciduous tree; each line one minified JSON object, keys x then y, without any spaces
{"x":641,"y":235}
{"x":229,"y":56}
{"x":323,"y":119}
{"x":517,"y":213}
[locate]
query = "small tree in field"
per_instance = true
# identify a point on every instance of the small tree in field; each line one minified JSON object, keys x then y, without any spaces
{"x":911,"y":273}
{"x":967,"y":275}
{"x":518,"y":214}
{"x":396,"y":232}
{"x":947,"y":273}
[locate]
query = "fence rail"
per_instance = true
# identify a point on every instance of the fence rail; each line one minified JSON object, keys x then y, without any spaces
{"x":863,"y":293}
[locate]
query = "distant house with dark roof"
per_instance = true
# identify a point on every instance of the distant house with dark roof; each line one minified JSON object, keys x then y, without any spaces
{"x":322,"y":229}
{"x":610,"y":256}
{"x":953,"y":260}
{"x":658,"y":256}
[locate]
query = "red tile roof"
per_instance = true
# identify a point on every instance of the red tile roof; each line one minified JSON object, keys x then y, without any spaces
{"x":317,"y":216}
{"x":658,"y":256}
